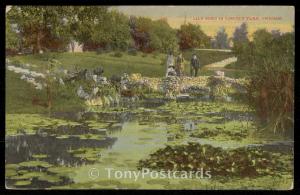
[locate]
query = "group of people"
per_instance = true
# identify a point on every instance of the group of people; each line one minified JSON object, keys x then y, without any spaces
{"x":176,"y":67}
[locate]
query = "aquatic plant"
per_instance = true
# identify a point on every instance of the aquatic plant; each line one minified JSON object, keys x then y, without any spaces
{"x":240,"y":162}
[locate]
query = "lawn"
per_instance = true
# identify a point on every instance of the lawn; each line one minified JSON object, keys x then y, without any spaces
{"x":151,"y":65}
{"x":207,"y":57}
{"x":19,"y":94}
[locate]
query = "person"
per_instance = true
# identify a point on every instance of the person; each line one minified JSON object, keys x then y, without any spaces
{"x":195,"y":65}
{"x":179,"y":65}
{"x":170,"y":63}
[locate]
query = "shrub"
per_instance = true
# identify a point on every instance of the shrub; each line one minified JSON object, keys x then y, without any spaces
{"x":118,"y":54}
{"x":132,"y":52}
{"x":155,"y":54}
{"x":271,"y":72}
{"x":100,"y":50}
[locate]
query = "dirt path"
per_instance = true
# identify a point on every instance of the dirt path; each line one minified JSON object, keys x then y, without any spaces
{"x":221,"y":64}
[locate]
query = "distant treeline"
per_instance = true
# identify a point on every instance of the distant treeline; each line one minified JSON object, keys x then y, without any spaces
{"x":52,"y":28}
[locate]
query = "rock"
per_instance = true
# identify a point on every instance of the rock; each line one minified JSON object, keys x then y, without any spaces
{"x":95,"y":90}
{"x":82,"y":94}
{"x":61,"y":82}
{"x":98,"y":71}
{"x":94,"y":78}
{"x":189,"y":126}
{"x":39,"y":86}
{"x":23,"y":77}
{"x":183,"y":97}
{"x":102,"y":80}
{"x":95,"y":102}
{"x":220,"y":73}
{"x":195,"y":90}
{"x":170,"y":72}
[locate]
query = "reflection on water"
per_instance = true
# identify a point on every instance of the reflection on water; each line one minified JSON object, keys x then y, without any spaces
{"x":63,"y":147}
{"x":21,"y":148}
{"x":119,"y":137}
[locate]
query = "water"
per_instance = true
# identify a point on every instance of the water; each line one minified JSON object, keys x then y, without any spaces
{"x":115,"y":138}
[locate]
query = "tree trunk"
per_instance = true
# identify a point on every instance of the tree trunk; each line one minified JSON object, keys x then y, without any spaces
{"x":72,"y":46}
{"x":37,"y":46}
{"x":39,"y":42}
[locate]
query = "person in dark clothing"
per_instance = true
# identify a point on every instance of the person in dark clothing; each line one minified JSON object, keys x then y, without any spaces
{"x":179,"y":65}
{"x":195,"y":65}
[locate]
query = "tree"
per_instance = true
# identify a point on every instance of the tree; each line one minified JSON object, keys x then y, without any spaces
{"x":12,"y":40}
{"x":270,"y":62}
{"x":88,"y":19}
{"x":140,"y":28}
{"x":241,"y":45}
{"x":240,"y":34}
{"x":222,"y":39}
{"x":191,"y":36}
{"x":38,"y":24}
{"x":162,"y":37}
{"x":113,"y":30}
{"x":276,"y":33}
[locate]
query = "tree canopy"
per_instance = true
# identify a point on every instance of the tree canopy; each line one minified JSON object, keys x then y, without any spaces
{"x":191,"y":36}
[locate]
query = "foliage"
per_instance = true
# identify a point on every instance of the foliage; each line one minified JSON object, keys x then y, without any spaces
{"x":222,"y":39}
{"x":40,"y":24}
{"x":132,"y":52}
{"x":12,"y":40}
{"x":118,"y":54}
{"x":53,"y":28}
{"x":240,"y":162}
{"x":269,"y":59}
{"x":112,"y":29}
{"x":162,"y":37}
{"x":140,"y":27}
{"x":240,"y":34}
{"x":191,"y":36}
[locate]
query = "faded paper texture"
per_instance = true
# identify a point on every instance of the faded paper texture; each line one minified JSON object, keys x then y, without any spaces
{"x":149,"y":97}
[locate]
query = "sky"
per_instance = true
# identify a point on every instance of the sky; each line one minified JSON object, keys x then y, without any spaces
{"x":211,"y":18}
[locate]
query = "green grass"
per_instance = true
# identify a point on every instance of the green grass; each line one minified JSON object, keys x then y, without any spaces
{"x":207,"y":57}
{"x":19,"y":94}
{"x":147,"y":65}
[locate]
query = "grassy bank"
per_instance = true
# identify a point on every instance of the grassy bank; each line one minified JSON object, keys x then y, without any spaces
{"x":19,"y":94}
{"x":151,"y":65}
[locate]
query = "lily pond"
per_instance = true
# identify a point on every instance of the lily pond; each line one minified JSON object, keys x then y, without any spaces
{"x":75,"y":150}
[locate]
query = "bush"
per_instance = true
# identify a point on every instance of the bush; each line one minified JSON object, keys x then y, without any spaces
{"x":270,"y":63}
{"x":155,"y":54}
{"x":100,"y":50}
{"x":132,"y":52}
{"x":118,"y":54}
